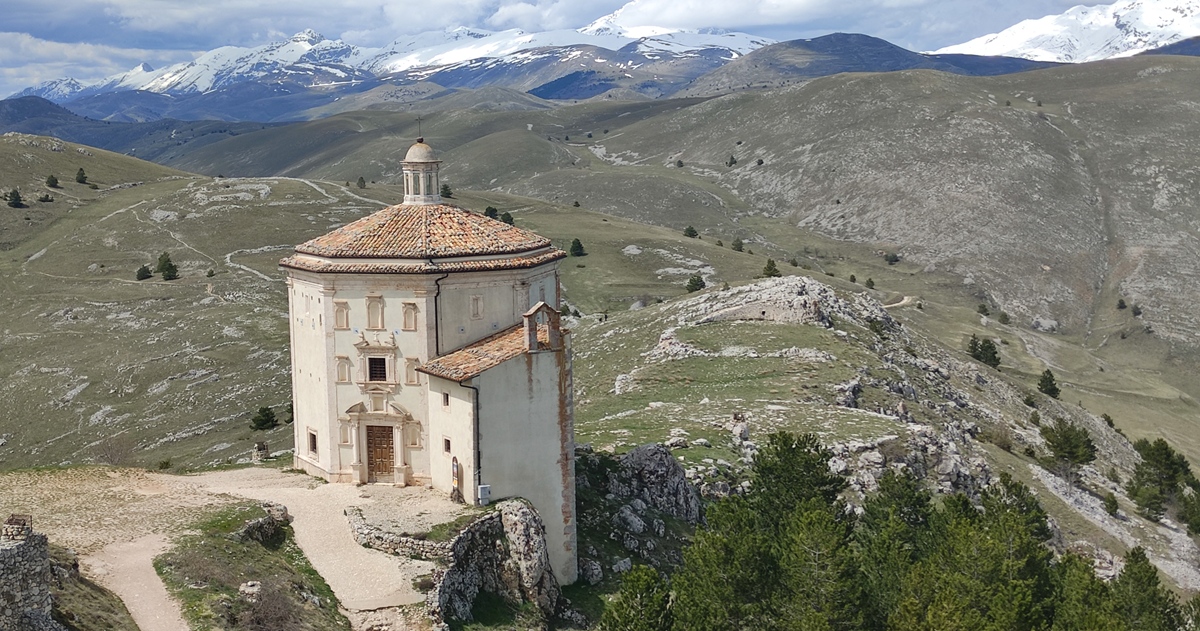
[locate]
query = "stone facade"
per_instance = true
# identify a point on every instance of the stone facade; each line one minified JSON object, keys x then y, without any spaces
{"x":25,"y":600}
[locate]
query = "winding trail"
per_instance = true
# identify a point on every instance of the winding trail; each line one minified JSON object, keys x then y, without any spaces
{"x":118,"y":520}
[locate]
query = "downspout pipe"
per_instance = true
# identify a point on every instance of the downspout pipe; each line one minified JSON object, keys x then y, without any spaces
{"x":478,"y":451}
{"x":437,"y":324}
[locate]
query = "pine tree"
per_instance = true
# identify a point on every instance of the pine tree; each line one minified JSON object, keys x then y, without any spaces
{"x":770,"y":271}
{"x":643,"y":604}
{"x":143,"y":273}
{"x":1121,"y":303}
{"x":14,"y":199}
{"x":853,"y":278}
{"x":695,"y":283}
{"x":870,"y":284}
{"x":577,"y":248}
{"x":264,"y":419}
{"x":973,"y":346}
{"x":362,"y":183}
{"x":1071,"y":445}
{"x":737,"y":245}
{"x":80,"y":176}
{"x":1140,"y":600}
{"x":446,"y":192}
{"x":491,"y":212}
{"x":507,"y":218}
{"x":51,"y":181}
{"x":1047,"y":385}
{"x":690,"y":232}
{"x":575,"y":204}
{"x":169,"y":271}
{"x":163,"y":259}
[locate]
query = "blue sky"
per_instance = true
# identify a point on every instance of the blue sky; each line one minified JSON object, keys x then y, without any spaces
{"x":90,"y":39}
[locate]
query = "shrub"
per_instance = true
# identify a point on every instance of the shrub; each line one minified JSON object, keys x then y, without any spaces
{"x":1035,"y":419}
{"x":491,"y":212}
{"x":983,"y":310}
{"x":853,"y":278}
{"x":737,"y":245}
{"x":1030,"y":401}
{"x":80,"y":176}
{"x":1047,"y":385}
{"x":1108,"y":420}
{"x":770,"y":271}
{"x":1121,"y":303}
{"x":143,"y":273}
{"x":731,"y":161}
{"x":720,"y":243}
{"x":210,"y":273}
{"x":362,"y":183}
{"x":759,"y":162}
{"x":793,"y":262}
{"x":170,"y":272}
{"x":51,"y":181}
{"x":1003,"y":318}
{"x":507,"y":218}
{"x":870,"y":284}
{"x":690,"y":232}
{"x":163,"y":465}
{"x":1136,"y":311}
{"x":679,"y":164}
{"x":45,"y":197}
{"x":14,"y":199}
{"x":695,"y":283}
{"x":263,"y":419}
{"x":1110,"y":503}
{"x":577,"y":248}
{"x":575,"y":203}
{"x":891,"y":258}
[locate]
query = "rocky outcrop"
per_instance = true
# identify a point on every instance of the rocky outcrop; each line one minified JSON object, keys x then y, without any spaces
{"x":649,"y":473}
{"x":504,"y":553}
{"x":264,"y":528}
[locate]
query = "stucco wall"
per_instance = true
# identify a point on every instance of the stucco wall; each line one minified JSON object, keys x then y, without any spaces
{"x":455,"y":423}
{"x":526,"y":428}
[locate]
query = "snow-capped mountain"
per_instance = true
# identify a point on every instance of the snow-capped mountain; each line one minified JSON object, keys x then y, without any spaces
{"x":1121,"y":29}
{"x":310,"y":59}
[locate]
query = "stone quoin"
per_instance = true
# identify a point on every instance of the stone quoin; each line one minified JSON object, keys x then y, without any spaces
{"x":426,"y":343}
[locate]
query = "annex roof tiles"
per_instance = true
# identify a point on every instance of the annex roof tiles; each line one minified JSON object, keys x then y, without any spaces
{"x":412,"y":231}
{"x":472,"y":360}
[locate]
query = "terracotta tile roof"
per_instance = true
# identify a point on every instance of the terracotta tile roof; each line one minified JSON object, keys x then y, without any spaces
{"x":421,"y":267}
{"x":472,"y":360}
{"x":414,"y":231}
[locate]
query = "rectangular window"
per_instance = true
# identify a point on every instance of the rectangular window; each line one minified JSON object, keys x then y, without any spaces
{"x":376,"y":369}
{"x":410,"y":316}
{"x":341,"y":314}
{"x":374,"y":312}
{"x":445,"y":399}
{"x":476,"y":307}
{"x":410,"y":372}
{"x":312,"y":441}
{"x":343,"y":369}
{"x":446,"y":445}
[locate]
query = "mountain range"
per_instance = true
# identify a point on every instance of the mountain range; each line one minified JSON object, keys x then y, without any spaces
{"x":308,"y":76}
{"x":1082,"y":34}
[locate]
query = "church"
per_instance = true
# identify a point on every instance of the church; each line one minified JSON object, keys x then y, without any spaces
{"x":427,"y":350}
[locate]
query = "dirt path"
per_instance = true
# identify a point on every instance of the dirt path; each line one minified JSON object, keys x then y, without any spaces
{"x":128,"y":570}
{"x":118,"y":520}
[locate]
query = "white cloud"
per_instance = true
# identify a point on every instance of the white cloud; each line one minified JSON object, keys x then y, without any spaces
{"x":26,"y":60}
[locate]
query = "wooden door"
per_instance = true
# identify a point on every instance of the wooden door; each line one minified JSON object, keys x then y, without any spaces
{"x":381,"y":453}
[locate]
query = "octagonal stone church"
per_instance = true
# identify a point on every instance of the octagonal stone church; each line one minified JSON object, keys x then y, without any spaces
{"x":426,"y":350}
